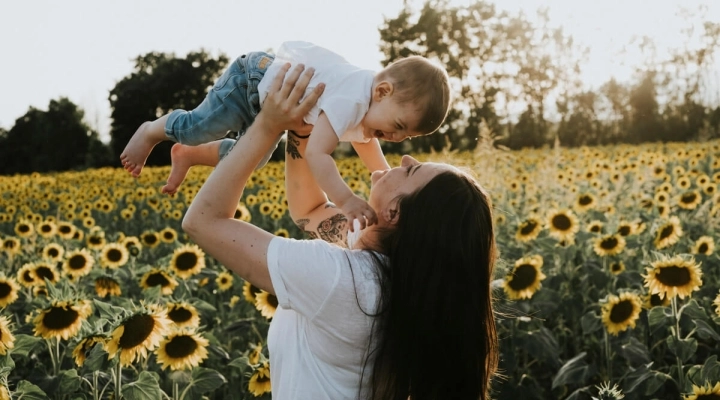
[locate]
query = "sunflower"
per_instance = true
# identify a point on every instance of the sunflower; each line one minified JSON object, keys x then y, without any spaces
{"x":282,"y":232}
{"x":182,"y":350}
{"x":183,"y":315}
{"x":689,"y":200}
{"x":224,"y":281}
{"x":663,"y":209}
{"x":233,"y":301}
{"x":53,"y":252}
{"x":609,"y":245}
{"x":65,"y":230}
{"x":150,"y":239}
{"x":81,"y":351}
{"x":8,"y":291}
{"x":654,"y":300}
{"x":621,"y":312}
{"x":668,"y":233}
{"x":46,"y":229}
{"x":62,"y":319}
{"x":168,"y":235}
{"x":266,"y":303}
{"x":259,"y":383}
{"x":672,"y":277}
{"x":132,"y":244}
{"x":78,"y":263}
{"x":625,"y":228}
{"x":705,"y":392}
{"x":528,"y":230}
{"x":95,"y":241}
{"x":266,"y":208}
{"x":46,"y":271}
{"x":187,"y":260}
{"x":114,"y":255}
{"x":563,"y":224}
{"x":138,"y":334}
{"x":40,"y":290}
{"x":106,"y":285}
{"x":705,"y":245}
{"x":158,"y":277}
{"x":584,"y":202}
{"x":24,"y":228}
{"x":7,"y":340}
{"x":524,"y":279}
{"x":617,"y":267}
{"x":11,"y":245}
{"x":242,"y":213}
{"x":249,"y":292}
{"x":254,"y":355}
{"x":26,"y":275}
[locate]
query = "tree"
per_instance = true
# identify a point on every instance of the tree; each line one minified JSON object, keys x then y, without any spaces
{"x":159,"y":83}
{"x":44,"y":141}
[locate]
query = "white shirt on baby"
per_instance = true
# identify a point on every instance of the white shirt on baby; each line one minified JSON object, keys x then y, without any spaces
{"x":319,"y":335}
{"x":347,"y":93}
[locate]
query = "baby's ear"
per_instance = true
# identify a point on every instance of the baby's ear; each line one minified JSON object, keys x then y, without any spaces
{"x":382,"y":90}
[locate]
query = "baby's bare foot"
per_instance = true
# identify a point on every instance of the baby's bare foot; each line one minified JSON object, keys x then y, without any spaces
{"x":138,"y":149}
{"x":181,"y":163}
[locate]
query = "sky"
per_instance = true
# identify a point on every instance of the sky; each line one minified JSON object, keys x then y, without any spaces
{"x":80,"y":49}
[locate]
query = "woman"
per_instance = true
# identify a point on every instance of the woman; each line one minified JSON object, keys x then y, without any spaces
{"x":407,"y":312}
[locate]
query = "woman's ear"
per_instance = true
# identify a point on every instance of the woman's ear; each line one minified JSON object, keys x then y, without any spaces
{"x":382,"y":90}
{"x":391,"y":215}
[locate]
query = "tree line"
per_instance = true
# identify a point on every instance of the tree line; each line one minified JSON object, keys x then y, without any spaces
{"x":518,"y":76}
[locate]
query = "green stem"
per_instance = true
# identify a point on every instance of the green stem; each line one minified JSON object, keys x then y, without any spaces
{"x":52,"y":356}
{"x":681,"y":374}
{"x":118,"y":381}
{"x":608,"y":360}
{"x":95,"y":386}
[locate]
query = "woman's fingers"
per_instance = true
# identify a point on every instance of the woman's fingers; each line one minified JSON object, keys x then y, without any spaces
{"x":290,"y":80}
{"x":312,"y":98}
{"x":277,"y":82}
{"x":301,"y":84}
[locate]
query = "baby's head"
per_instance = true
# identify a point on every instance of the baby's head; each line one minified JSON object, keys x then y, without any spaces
{"x":410,"y":97}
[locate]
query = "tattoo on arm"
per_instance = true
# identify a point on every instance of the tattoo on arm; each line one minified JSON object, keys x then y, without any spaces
{"x":292,"y":147}
{"x":301,"y":223}
{"x":333,"y":229}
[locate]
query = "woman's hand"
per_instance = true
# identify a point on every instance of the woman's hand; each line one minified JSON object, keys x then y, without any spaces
{"x":282,"y":109}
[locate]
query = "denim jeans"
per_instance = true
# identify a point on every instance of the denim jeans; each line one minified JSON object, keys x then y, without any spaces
{"x":231,"y":105}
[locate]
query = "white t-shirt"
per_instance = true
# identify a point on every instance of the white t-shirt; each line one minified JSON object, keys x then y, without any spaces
{"x":347,"y":93}
{"x":319,"y":335}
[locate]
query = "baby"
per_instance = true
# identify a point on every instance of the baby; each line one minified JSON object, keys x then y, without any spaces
{"x":408,"y":98}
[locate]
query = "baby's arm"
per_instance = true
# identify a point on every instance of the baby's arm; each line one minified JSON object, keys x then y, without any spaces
{"x":371,"y":155}
{"x":321,"y":144}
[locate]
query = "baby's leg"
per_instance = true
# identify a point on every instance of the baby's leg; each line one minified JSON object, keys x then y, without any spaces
{"x":183,"y":157}
{"x":141,"y":144}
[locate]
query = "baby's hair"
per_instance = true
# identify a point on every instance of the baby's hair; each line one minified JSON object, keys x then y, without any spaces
{"x":418,"y":80}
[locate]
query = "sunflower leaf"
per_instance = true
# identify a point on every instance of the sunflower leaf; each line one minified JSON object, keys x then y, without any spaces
{"x":693,"y":310}
{"x":203,"y":380}
{"x":24,"y":344}
{"x":699,"y":375}
{"x":145,"y":388}
{"x":704,"y":330}
{"x":590,"y":322}
{"x":6,"y":365}
{"x":659,"y":318}
{"x":574,"y":371}
{"x":635,"y":352}
{"x":241,"y":362}
{"x":644,"y":377}
{"x":682,"y":348}
{"x":108,"y":310}
{"x":97,"y":359}
{"x":27,"y":391}
{"x":69,"y":381}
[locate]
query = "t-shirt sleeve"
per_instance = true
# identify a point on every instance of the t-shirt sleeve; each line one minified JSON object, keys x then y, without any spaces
{"x":343,"y":113}
{"x":304,"y":273}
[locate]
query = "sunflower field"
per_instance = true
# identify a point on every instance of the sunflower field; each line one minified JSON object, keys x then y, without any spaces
{"x":606,"y":286}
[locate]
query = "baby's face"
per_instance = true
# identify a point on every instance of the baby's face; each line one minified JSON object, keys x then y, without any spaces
{"x":390,"y":121}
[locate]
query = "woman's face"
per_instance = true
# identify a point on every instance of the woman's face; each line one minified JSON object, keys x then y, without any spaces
{"x":410,"y":176}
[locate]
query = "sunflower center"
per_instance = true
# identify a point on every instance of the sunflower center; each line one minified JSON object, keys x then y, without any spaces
{"x":64,"y":229}
{"x":624,"y":230}
{"x":523,"y":276}
{"x":150,"y":239}
{"x":77,"y":262}
{"x":272,"y":300}
{"x":59,"y":318}
{"x":561,"y":222}
{"x":168,"y":235}
{"x":585,"y":200}
{"x":703,"y":248}
{"x":609,"y":243}
{"x":666,"y":231}
{"x":5,"y":289}
{"x":709,"y":396}
{"x":237,"y":214}
{"x":157,"y":279}
{"x":615,"y":267}
{"x":528,"y":227}
{"x":44,"y":272}
{"x":186,"y":261}
{"x":53,"y":252}
{"x":673,"y":276}
{"x":95,"y":240}
{"x":263,"y":379}
{"x":114,"y":255}
{"x":46,"y":228}
{"x":655,"y":300}
{"x":9,"y":244}
{"x":24,"y":228}
{"x":137,"y":329}
{"x":595,"y":228}
{"x":27,"y":276}
{"x":180,"y":314}
{"x":621,"y":311}
{"x":181,"y":346}
{"x":688,"y":197}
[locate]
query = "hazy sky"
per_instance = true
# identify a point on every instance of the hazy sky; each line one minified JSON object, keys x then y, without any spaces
{"x":80,"y":48}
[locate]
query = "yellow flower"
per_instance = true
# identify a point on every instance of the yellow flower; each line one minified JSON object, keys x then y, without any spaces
{"x":26,"y":275}
{"x":11,"y":245}
{"x":528,"y":230}
{"x":168,"y":235}
{"x":158,"y":277}
{"x":7,"y":340}
{"x":106,"y":285}
{"x":524,"y":279}
{"x":138,"y":334}
{"x":187,"y":260}
{"x":254,"y":355}
{"x":249,"y":292}
{"x":95,"y":241}
{"x":621,"y":312}
{"x":242,"y":213}
{"x":183,"y":315}
{"x":47,"y":229}
{"x":260,"y":380}
{"x":563,"y":224}
{"x":150,"y":239}
{"x":654,"y":300}
{"x":266,"y":208}
{"x":8,"y":291}
{"x":114,"y":255}
{"x":44,"y":271}
{"x":282,"y":232}
{"x":617,"y":267}
{"x":62,"y":319}
{"x":584,"y":202}
{"x":78,"y":263}
{"x":24,"y":228}
{"x":182,"y":351}
{"x":626,"y":228}
{"x":704,"y":392}
{"x":705,"y":245}
{"x":668,"y":233}
{"x":224,"y":281}
{"x":672,"y":277}
{"x":689,"y":200}
{"x":132,"y":244}
{"x":609,"y":245}
{"x":83,"y":349}
{"x":234,"y":300}
{"x":266,"y":303}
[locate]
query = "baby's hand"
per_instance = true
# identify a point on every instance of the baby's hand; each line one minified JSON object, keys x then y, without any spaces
{"x":357,"y":208}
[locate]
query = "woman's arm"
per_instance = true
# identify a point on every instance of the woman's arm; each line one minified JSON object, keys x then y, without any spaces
{"x":209,"y":221}
{"x":308,"y":205}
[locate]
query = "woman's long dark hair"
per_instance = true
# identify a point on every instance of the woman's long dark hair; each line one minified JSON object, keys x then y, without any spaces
{"x":435,"y":328}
